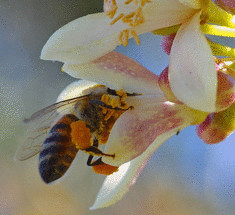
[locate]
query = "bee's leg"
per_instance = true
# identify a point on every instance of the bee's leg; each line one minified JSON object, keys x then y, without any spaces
{"x":97,"y":162}
{"x":94,"y":151}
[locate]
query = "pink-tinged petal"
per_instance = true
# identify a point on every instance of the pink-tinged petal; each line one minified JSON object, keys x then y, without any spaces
{"x":164,"y":84}
{"x":137,"y":129}
{"x":116,"y":71}
{"x":82,"y":40}
{"x":228,"y":5}
{"x":116,"y":185}
{"x":217,"y":126}
{"x":167,"y":42}
{"x":192,"y":72}
{"x":225,"y":91}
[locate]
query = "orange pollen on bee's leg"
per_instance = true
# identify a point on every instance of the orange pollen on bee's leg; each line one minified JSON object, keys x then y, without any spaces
{"x":104,"y":169}
{"x":80,"y":134}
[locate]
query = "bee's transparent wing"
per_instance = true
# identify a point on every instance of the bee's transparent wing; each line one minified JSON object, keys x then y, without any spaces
{"x":39,"y":125}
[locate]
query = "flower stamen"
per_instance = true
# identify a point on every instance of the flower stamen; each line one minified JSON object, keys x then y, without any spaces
{"x":123,"y":37}
{"x":144,"y":2}
{"x":135,"y":36}
{"x":128,"y":18}
{"x":138,"y":18}
{"x":117,"y":19}
{"x":133,"y":19}
{"x":110,"y":8}
{"x":128,"y":1}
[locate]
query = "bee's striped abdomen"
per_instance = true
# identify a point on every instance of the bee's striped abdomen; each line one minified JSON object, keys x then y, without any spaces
{"x":58,"y":151}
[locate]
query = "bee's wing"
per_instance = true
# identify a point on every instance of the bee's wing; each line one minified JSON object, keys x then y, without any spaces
{"x":39,"y":125}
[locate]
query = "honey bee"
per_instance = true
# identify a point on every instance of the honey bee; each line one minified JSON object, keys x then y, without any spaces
{"x":59,"y":131}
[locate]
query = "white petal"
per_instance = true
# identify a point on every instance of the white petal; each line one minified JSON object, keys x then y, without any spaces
{"x":116,"y":185}
{"x":137,"y":129}
{"x":82,"y":40}
{"x":196,"y":4}
{"x":117,"y":71}
{"x":192,"y":72}
{"x":92,"y":36}
{"x":75,"y":89}
{"x":160,"y":14}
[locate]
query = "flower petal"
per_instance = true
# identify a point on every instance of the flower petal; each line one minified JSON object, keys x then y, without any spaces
{"x":75,"y":89}
{"x":160,"y":14}
{"x":217,"y":126}
{"x":137,"y":129}
{"x":82,"y":40}
{"x":116,"y":185}
{"x":192,"y":73}
{"x":196,"y":4}
{"x":92,"y":36}
{"x":225,"y":91}
{"x":164,"y":84}
{"x":116,"y":71}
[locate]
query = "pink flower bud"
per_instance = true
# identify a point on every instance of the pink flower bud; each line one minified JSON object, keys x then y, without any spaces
{"x":164,"y":84}
{"x":217,"y":126}
{"x":225,"y":91}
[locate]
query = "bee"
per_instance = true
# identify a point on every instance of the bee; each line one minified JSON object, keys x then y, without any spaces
{"x":83,"y":123}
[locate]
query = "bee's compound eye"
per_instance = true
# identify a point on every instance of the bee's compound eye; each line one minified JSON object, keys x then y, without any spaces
{"x":104,"y":169}
{"x":80,"y":134}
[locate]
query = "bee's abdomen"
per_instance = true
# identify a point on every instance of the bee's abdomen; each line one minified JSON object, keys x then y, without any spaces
{"x":58,"y":151}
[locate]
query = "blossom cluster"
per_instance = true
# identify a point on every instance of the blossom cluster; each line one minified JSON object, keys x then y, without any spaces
{"x":196,"y":88}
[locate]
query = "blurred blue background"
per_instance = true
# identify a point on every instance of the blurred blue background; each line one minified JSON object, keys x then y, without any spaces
{"x":185,"y":176}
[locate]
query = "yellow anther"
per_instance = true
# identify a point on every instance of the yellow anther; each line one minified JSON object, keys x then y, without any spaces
{"x":138,"y":18}
{"x":143,"y":2}
{"x":110,"y":8}
{"x":135,"y":36}
{"x":128,"y":18}
{"x":123,"y":37}
{"x":128,"y":1}
{"x":117,"y":19}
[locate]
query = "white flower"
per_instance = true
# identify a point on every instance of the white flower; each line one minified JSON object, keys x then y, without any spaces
{"x":192,"y":71}
{"x":90,"y":37}
{"x":137,"y":133}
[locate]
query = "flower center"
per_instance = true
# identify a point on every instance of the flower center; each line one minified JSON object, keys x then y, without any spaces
{"x":133,"y":18}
